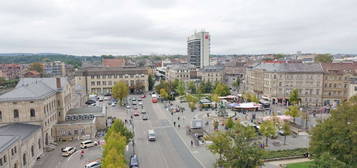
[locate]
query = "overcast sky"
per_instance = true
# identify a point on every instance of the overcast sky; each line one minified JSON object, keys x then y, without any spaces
{"x":120,"y":27}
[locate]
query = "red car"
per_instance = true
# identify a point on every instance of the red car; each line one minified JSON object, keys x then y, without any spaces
{"x":136,"y":113}
{"x":143,"y":96}
{"x":154,"y":100}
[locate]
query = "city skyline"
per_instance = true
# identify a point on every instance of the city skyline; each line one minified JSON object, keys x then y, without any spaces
{"x":161,"y":27}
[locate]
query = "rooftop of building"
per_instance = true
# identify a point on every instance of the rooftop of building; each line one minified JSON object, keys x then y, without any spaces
{"x":113,"y":62}
{"x":69,"y":122}
{"x":212,"y":68}
{"x":86,"y":110}
{"x":340,"y":67}
{"x":181,"y":66}
{"x":290,"y":67}
{"x":21,"y":130}
{"x":111,"y":70}
{"x":6,"y":141}
{"x":33,"y":89}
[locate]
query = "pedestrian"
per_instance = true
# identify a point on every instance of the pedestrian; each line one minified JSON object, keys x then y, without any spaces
{"x":178,"y":125}
{"x":125,"y":121}
{"x":191,"y":143}
{"x":174,"y":124}
{"x":178,"y":118}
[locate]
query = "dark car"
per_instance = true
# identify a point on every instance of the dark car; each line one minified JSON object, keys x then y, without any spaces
{"x":134,"y":163}
{"x":89,"y":102}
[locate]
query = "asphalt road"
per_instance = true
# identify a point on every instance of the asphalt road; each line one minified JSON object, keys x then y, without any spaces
{"x":168,"y":150}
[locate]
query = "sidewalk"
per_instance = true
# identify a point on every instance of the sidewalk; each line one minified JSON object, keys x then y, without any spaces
{"x":277,"y":164}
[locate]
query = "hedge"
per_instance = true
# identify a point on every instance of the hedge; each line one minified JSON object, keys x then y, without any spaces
{"x":285,"y":153}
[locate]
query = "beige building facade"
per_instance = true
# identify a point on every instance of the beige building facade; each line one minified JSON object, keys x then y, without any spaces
{"x":100,"y":80}
{"x":38,"y":101}
{"x":277,"y":80}
{"x":211,"y":74}
{"x":182,"y":72}
{"x":20,"y":145}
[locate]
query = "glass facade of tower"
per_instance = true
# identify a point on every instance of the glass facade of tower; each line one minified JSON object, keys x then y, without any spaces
{"x":194,"y":52}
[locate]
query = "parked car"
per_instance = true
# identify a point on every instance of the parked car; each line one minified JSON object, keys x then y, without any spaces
{"x":145,"y":116}
{"x":94,"y":164}
{"x":89,"y":102}
{"x":68,"y":151}
{"x":143,"y":96}
{"x":143,"y":112}
{"x":151,"y":135}
{"x":136,"y":113}
{"x":134,"y":162}
{"x":88,"y":144}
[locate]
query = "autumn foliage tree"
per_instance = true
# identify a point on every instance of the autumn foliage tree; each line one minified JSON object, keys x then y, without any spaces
{"x":120,"y":91}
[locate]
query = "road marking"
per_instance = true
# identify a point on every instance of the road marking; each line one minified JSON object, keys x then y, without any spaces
{"x":72,"y":155}
{"x":195,"y":152}
{"x":162,"y":127}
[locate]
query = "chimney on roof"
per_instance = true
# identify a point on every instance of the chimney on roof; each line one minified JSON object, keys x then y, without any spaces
{"x":58,"y":83}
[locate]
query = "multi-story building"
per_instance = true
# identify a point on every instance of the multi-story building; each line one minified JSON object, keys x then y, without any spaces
{"x":12,"y":71}
{"x":232,"y":74}
{"x":352,"y":88}
{"x":337,"y":79}
{"x":198,"y":49}
{"x":54,"y":69}
{"x":100,"y":80}
{"x":38,"y":101}
{"x":211,"y":73}
{"x":20,"y":145}
{"x":183,"y":72}
{"x":276,"y":81}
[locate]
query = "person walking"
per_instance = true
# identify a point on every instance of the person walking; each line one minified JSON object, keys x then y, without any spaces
{"x":191,"y":143}
{"x":174,"y":124}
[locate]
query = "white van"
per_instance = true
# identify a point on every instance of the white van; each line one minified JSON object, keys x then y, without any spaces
{"x":151,"y":135}
{"x":88,"y":144}
{"x":68,"y":151}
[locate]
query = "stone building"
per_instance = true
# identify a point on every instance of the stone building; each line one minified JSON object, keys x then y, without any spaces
{"x":180,"y":72}
{"x":20,"y":145}
{"x":81,"y":123}
{"x":54,"y":69}
{"x":352,"y":88}
{"x":231,"y":74}
{"x":337,"y":80}
{"x":100,"y":80}
{"x":211,"y":73}
{"x":38,"y":101}
{"x":276,"y":81}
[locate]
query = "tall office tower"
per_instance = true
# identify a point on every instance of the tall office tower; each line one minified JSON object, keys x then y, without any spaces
{"x":198,"y":49}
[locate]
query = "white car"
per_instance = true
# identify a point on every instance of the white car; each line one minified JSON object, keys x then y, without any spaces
{"x":68,"y":151}
{"x":88,"y":144}
{"x":94,"y":164}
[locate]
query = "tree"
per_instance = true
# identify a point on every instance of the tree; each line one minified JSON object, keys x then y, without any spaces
{"x":162,"y":85}
{"x":207,"y":87}
{"x":180,"y":89}
{"x":2,"y":81}
{"x":36,"y":66}
{"x":250,"y":97}
{"x":268,"y":129}
{"x":293,"y":111}
{"x":192,"y":87}
{"x":190,"y":98}
{"x":294,"y":97}
{"x":337,"y":135}
{"x":221,"y":89}
{"x":324,"y":58}
{"x":237,"y":147}
{"x":229,"y":123}
{"x":278,"y":56}
{"x":220,"y":145}
{"x":164,"y":94}
{"x":192,"y":106}
{"x":286,"y":128}
{"x":113,"y":160}
{"x":120,"y":91}
{"x":327,"y":161}
{"x":151,"y":82}
{"x":119,"y":127}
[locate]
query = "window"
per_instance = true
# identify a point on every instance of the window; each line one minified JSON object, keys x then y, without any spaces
{"x":39,"y":143}
{"x":92,"y":83}
{"x":98,"y":76}
{"x":32,"y":113}
{"x":16,"y":113}
{"x":0,"y":115}
{"x":4,"y":159}
{"x":32,"y":151}
{"x":92,"y":77}
{"x":1,"y":162}
{"x":109,"y":76}
{"x":98,"y":83}
{"x":24,"y":159}
{"x":104,"y":83}
{"x":334,"y":85}
{"x":355,"y":90}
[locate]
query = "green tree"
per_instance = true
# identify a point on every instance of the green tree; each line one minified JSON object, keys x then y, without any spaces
{"x":324,"y":58}
{"x":220,"y":145}
{"x":164,"y":94}
{"x":120,"y":91}
{"x":2,"y":81}
{"x":250,"y":97}
{"x":293,"y":111}
{"x":294,"y":97}
{"x":286,"y":128}
{"x":180,"y":89}
{"x":327,"y":161}
{"x":162,"y":85}
{"x":192,"y":87}
{"x":236,"y":148}
{"x":36,"y":66}
{"x":268,"y":129}
{"x":278,"y":56}
{"x":337,"y":135}
{"x":192,"y":106}
{"x":229,"y":123}
{"x":113,"y":160}
{"x":221,"y":89}
{"x":119,"y":127}
{"x":190,"y":98}
{"x":151,"y":82}
{"x":207,"y":87}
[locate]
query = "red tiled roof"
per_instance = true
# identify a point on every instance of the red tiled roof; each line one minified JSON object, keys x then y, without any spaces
{"x":339,"y":67}
{"x":113,"y":62}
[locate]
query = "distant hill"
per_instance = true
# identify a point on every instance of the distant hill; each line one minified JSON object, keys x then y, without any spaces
{"x":29,"y":54}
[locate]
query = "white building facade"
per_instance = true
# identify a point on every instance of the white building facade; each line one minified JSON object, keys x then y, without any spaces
{"x":198,"y":49}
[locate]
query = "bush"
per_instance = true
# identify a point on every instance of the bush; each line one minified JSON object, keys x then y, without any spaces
{"x":285,"y":153}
